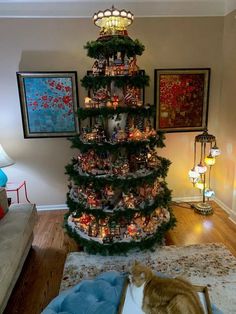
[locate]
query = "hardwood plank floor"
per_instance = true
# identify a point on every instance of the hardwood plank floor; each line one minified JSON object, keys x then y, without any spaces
{"x":40,"y":278}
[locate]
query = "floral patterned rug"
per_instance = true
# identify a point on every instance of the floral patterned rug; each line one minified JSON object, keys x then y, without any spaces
{"x":210,"y":265}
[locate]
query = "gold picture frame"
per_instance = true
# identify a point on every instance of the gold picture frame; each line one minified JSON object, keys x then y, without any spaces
{"x":181,"y":97}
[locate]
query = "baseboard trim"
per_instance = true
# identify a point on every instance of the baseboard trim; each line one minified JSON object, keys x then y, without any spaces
{"x":52,"y":207}
{"x":187,"y":199}
{"x":228,"y":210}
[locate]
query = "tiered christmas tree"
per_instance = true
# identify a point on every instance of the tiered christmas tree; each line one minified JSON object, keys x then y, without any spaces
{"x":118,"y":198}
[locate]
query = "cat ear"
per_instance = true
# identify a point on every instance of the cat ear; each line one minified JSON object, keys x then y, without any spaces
{"x":142,"y":275}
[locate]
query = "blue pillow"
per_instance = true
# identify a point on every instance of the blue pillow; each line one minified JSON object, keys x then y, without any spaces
{"x":99,"y":296}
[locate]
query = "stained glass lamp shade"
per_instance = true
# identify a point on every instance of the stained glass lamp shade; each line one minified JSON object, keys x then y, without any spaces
{"x":5,"y":161}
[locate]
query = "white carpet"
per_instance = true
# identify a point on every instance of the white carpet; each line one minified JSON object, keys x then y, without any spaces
{"x":210,"y":265}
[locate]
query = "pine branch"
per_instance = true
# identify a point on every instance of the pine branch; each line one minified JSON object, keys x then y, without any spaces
{"x":125,"y":45}
{"x":96,"y":82}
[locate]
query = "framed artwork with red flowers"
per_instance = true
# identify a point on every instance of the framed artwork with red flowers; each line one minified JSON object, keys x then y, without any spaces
{"x":49,"y":102}
{"x":181,"y":97}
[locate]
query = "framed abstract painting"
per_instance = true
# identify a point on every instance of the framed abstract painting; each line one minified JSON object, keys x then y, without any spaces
{"x":181,"y":97}
{"x":48,"y":103}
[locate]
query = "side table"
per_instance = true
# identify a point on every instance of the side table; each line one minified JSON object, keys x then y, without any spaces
{"x":15,"y":187}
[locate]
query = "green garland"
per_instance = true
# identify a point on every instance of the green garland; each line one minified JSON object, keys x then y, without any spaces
{"x":115,"y":181}
{"x":84,"y":113}
{"x":130,"y":146}
{"x":117,"y":248}
{"x":96,"y":82}
{"x":125,"y":45}
{"x":161,"y":200}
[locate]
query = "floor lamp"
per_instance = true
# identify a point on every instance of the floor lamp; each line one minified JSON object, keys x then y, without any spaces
{"x":5,"y":161}
{"x":200,"y":174}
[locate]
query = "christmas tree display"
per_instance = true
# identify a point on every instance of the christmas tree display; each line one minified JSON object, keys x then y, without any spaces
{"x":118,"y":198}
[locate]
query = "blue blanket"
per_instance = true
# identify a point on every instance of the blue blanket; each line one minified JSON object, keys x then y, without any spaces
{"x":98,"y":296}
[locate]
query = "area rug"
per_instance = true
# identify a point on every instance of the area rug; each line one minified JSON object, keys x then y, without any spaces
{"x":210,"y":265}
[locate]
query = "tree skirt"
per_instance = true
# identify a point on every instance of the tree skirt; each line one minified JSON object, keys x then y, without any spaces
{"x":210,"y":265}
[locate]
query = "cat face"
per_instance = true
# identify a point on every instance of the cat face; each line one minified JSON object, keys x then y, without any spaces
{"x":138,"y":275}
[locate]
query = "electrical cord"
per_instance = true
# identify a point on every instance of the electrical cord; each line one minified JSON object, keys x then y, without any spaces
{"x":190,"y":206}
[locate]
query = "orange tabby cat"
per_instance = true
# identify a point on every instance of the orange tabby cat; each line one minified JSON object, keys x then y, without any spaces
{"x":165,"y":295}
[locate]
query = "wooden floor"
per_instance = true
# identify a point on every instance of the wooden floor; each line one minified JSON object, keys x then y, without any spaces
{"x":41,"y":275}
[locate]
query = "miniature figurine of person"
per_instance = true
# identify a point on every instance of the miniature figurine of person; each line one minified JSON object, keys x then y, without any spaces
{"x":133,"y":68}
{"x":114,"y":133}
{"x":101,"y":65}
{"x":95,"y":69}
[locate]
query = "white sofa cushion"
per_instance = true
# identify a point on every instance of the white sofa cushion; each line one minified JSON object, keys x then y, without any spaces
{"x":16,"y":229}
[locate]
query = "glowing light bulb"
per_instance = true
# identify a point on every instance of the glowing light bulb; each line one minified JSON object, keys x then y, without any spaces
{"x":193,"y":175}
{"x":200,"y":168}
{"x":210,"y":160}
{"x":215,"y":151}
{"x":209,"y":193}
{"x":200,"y":185}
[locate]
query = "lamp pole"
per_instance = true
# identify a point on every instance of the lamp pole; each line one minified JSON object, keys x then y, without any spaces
{"x":198,"y":173}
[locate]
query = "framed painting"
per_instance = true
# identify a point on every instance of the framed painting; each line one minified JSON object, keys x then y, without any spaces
{"x":181,"y":97}
{"x":48,"y":103}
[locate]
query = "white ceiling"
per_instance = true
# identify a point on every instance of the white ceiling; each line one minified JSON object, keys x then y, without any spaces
{"x":83,"y":8}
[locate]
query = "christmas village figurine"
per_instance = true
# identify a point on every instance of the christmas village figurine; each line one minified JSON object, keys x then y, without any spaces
{"x":132,"y":230}
{"x":115,"y":230}
{"x":150,"y":192}
{"x":99,"y":66}
{"x":93,"y":163}
{"x":117,"y":66}
{"x":101,"y":97}
{"x":115,"y":181}
{"x":133,"y":97}
{"x":133,"y":68}
{"x":153,"y":161}
{"x":93,"y":229}
{"x":121,"y":136}
{"x":138,"y":161}
{"x":121,"y":167}
{"x":149,"y":130}
{"x":88,"y":103}
{"x":93,"y":201}
{"x":94,"y":134}
{"x":129,"y":201}
{"x":108,"y":192}
{"x":118,"y":135}
{"x":135,"y":134}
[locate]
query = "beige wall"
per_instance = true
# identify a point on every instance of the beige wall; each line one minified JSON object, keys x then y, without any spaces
{"x":57,"y":44}
{"x":225,"y":178}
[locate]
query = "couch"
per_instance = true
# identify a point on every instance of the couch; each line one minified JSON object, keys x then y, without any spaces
{"x":16,"y":236}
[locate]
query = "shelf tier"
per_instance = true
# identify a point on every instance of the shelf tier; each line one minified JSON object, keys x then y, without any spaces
{"x":161,"y":200}
{"x":107,"y":48}
{"x":124,"y":182}
{"x":130,"y":146}
{"x":145,"y":111}
{"x":93,"y":246}
{"x":95,"y":82}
